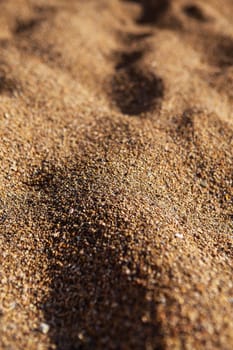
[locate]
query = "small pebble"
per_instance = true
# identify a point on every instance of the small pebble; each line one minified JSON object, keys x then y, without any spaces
{"x":179,"y":235}
{"x":44,"y":328}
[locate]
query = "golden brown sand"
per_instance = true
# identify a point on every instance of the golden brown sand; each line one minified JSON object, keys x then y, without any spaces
{"x":116,"y":174}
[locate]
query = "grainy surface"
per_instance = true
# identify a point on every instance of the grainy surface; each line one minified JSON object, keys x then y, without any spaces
{"x":116,"y":174}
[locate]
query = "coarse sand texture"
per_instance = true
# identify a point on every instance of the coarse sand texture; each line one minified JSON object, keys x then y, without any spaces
{"x":116,"y":175}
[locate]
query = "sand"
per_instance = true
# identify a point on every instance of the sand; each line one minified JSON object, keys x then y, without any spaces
{"x":116,"y":174}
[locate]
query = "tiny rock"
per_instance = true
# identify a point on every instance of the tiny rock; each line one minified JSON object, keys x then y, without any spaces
{"x":179,"y":235}
{"x":44,"y":328}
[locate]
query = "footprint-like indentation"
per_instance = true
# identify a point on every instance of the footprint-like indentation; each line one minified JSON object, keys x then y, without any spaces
{"x":195,"y":12}
{"x":135,"y":90}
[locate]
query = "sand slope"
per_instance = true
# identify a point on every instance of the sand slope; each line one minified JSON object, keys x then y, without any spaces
{"x":116,"y":174}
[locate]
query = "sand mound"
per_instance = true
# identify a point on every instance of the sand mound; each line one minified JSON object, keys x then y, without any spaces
{"x":116,"y":199}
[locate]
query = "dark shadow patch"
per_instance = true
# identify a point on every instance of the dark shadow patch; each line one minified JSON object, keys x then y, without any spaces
{"x":224,"y":52}
{"x":95,"y":300}
{"x":136,"y":91}
{"x":8,"y":86}
{"x":152,"y":10}
{"x":193,"y":11}
{"x":93,"y":305}
{"x":131,"y":37}
{"x":128,"y":58}
{"x":23,"y":27}
{"x":220,"y":51}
